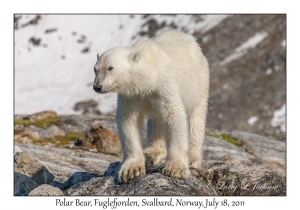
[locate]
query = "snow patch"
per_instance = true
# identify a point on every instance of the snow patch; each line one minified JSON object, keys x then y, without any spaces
{"x":283,"y":43}
{"x":279,"y":118}
{"x":44,"y":80}
{"x":252,"y":120}
{"x":243,"y":48}
{"x":225,"y":86}
{"x":269,"y":71}
{"x":54,"y":70}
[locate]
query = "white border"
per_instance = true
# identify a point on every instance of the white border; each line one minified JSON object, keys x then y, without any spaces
{"x":154,"y":6}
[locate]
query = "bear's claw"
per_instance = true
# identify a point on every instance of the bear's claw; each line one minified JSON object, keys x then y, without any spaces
{"x":130,"y":171}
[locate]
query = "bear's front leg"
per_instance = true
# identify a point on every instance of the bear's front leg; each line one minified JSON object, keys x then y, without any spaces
{"x":176,"y":133}
{"x":130,"y":122}
{"x":177,"y":162}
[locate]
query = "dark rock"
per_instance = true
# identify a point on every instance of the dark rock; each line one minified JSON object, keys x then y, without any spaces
{"x":23,"y":184}
{"x":81,"y":39}
{"x":35,"y":41}
{"x":153,"y":26}
{"x":50,"y":30}
{"x":77,"y":178}
{"x":113,"y":169}
{"x":33,"y":21}
{"x":85,"y":50}
{"x":16,"y":21}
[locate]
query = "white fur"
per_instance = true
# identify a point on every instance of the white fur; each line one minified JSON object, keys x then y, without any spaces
{"x":167,"y":80}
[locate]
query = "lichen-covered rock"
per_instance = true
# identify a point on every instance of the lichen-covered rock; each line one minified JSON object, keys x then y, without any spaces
{"x":149,"y":185}
{"x":218,"y":178}
{"x":23,"y":184}
{"x":30,"y":167}
{"x":237,"y":179}
{"x":46,"y":190}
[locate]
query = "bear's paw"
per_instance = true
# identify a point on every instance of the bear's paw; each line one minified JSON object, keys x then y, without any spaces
{"x":131,"y":169}
{"x":176,"y":170}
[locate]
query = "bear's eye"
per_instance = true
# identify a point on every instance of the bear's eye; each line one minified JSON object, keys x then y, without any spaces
{"x":110,"y":68}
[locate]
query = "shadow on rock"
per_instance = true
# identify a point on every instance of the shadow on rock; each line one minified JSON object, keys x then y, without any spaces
{"x":75,"y":179}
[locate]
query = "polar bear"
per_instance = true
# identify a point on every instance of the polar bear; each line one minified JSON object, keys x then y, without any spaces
{"x":165,"y":79}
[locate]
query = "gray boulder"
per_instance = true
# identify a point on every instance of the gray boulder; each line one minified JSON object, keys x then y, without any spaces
{"x":221,"y":150}
{"x":272,"y":152}
{"x":30,"y":167}
{"x":52,"y":131}
{"x":46,"y":190}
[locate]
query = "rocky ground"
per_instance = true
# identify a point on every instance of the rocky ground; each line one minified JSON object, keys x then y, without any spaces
{"x":80,"y":155}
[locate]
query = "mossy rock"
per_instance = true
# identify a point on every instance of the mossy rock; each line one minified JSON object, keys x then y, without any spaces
{"x":42,"y":123}
{"x":226,"y":137}
{"x":59,"y":141}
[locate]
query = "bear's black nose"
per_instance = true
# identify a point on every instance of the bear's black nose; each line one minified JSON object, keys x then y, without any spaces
{"x":97,"y":88}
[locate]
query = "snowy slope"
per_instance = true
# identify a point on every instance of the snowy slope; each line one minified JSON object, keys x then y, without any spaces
{"x":56,"y":74}
{"x":241,"y":50}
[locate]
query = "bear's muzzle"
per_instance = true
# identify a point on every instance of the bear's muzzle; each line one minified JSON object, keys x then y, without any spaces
{"x":97,"y":88}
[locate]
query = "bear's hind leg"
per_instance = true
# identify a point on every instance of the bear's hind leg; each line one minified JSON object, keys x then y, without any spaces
{"x":197,"y":121}
{"x":156,"y":148}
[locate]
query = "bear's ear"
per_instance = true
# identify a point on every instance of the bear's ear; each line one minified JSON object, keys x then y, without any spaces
{"x":135,"y":56}
{"x":98,"y":55}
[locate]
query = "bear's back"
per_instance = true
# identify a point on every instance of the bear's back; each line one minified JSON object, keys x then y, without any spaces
{"x":176,"y":40}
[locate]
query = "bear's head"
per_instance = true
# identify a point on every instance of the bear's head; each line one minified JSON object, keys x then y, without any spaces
{"x":118,"y":70}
